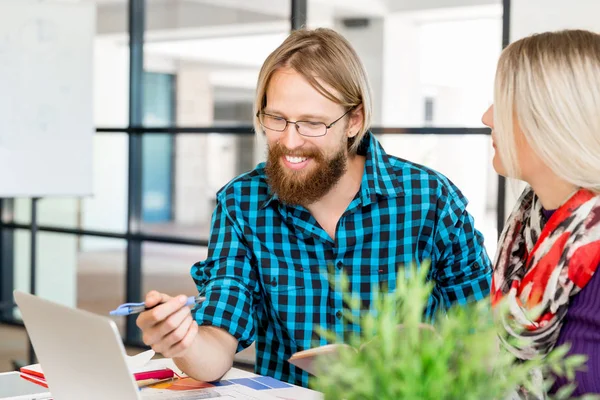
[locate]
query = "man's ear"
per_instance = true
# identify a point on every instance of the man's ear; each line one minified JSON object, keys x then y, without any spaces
{"x":355,"y":122}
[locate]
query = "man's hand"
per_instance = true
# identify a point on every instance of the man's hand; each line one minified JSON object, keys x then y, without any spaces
{"x":169,"y":327}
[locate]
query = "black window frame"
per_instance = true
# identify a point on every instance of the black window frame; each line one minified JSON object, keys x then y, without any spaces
{"x":134,"y":236}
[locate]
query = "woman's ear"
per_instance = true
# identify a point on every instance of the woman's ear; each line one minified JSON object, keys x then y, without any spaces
{"x":355,"y":122}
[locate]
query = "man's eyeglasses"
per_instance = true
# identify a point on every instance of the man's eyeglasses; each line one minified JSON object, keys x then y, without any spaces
{"x":305,"y":128}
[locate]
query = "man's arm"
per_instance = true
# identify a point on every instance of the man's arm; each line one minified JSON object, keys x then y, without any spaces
{"x":204,"y":353}
{"x":204,"y":341}
{"x":462,"y":267}
{"x":210,"y":356}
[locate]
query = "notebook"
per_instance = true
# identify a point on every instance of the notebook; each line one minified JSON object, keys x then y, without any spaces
{"x":144,"y":373}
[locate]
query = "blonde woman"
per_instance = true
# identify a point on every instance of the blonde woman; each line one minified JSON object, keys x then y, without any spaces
{"x":546,"y":130}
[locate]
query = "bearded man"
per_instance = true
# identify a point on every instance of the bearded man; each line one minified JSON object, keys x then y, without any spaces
{"x":328,"y":201}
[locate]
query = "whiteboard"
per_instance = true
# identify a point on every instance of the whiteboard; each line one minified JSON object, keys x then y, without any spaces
{"x":46,"y":115}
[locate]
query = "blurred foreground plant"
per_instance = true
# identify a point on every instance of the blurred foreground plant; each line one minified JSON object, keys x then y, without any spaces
{"x":458,"y":356}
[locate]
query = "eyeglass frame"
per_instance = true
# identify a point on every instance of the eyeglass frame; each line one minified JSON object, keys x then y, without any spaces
{"x":287,"y":122}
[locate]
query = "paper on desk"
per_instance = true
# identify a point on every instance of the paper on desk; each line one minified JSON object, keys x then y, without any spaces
{"x":143,"y":362}
{"x":232,"y":392}
{"x":136,"y":363}
{"x":139,"y":361}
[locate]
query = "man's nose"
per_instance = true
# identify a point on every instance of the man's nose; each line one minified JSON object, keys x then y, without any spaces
{"x":291,"y":138}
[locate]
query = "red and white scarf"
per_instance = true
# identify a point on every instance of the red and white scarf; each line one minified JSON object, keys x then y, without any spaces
{"x":542,"y":266}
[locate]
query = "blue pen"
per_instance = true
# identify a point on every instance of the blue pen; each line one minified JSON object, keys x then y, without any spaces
{"x":136,"y":308}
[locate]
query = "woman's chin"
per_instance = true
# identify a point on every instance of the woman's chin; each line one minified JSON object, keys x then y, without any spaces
{"x":498,"y":166}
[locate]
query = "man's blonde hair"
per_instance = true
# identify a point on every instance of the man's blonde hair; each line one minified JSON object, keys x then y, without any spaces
{"x":321,"y":54}
{"x":551,"y":83}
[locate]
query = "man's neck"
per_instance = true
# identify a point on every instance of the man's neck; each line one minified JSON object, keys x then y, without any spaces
{"x":340,"y":196}
{"x":328,"y":210}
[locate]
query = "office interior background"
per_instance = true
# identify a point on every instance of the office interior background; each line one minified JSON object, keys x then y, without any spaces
{"x":173,"y":87}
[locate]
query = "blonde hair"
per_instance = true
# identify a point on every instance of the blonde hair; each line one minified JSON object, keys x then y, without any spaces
{"x":551,"y":83}
{"x":321,"y":54}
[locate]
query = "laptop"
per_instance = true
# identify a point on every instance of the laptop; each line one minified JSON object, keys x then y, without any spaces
{"x":82,"y":354}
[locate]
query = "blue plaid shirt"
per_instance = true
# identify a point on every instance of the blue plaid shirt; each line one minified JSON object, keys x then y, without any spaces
{"x":265,"y":277}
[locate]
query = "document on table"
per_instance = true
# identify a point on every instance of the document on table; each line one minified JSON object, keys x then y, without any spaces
{"x":232,"y":392}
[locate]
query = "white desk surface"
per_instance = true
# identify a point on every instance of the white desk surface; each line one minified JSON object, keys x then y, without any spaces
{"x":293,"y":393}
{"x":290,"y":393}
{"x":20,"y":389}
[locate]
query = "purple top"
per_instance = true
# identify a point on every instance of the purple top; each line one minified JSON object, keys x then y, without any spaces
{"x":581,"y":328}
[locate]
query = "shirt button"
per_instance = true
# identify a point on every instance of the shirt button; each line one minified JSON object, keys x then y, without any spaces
{"x":338,"y":314}
{"x":340,"y":265}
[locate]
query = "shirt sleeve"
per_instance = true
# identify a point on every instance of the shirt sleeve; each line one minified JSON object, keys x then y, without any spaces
{"x":227,"y":280}
{"x":462,"y":267}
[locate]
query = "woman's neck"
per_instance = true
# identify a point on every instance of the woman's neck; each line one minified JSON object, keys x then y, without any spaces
{"x":553,"y":191}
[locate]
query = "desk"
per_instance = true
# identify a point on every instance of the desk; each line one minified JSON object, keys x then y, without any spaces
{"x":12,"y":386}
{"x":291,"y":392}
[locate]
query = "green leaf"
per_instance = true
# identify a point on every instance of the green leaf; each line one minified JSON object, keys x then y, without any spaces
{"x":565,"y":392}
{"x":576,"y":361}
{"x":457,"y":356}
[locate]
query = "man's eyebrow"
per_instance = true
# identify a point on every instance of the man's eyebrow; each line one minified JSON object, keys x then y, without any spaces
{"x":313,"y":116}
{"x":302,"y":117}
{"x":272,"y":111}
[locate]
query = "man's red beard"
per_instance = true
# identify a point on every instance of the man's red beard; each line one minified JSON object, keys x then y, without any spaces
{"x":300,"y":187}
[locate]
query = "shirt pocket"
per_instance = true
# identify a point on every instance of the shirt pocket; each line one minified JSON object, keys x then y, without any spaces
{"x":281,"y":275}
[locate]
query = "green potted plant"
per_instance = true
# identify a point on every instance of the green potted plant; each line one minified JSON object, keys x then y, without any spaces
{"x":397,"y":356}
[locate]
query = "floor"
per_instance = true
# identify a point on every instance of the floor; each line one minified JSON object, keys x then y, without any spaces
{"x":13,"y":346}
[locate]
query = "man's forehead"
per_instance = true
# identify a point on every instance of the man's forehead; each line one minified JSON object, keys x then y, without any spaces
{"x":294,"y":97}
{"x":282,"y":78}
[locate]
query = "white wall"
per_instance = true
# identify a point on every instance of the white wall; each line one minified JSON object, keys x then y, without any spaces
{"x":411,"y":5}
{"x":535,"y":16}
{"x":194,"y":108}
{"x":401,"y":65}
{"x":107,"y":209}
{"x":368,"y":41}
{"x":401,"y":92}
{"x":453,"y":61}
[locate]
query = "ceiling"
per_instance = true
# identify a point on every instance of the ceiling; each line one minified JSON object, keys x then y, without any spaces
{"x":233,"y":37}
